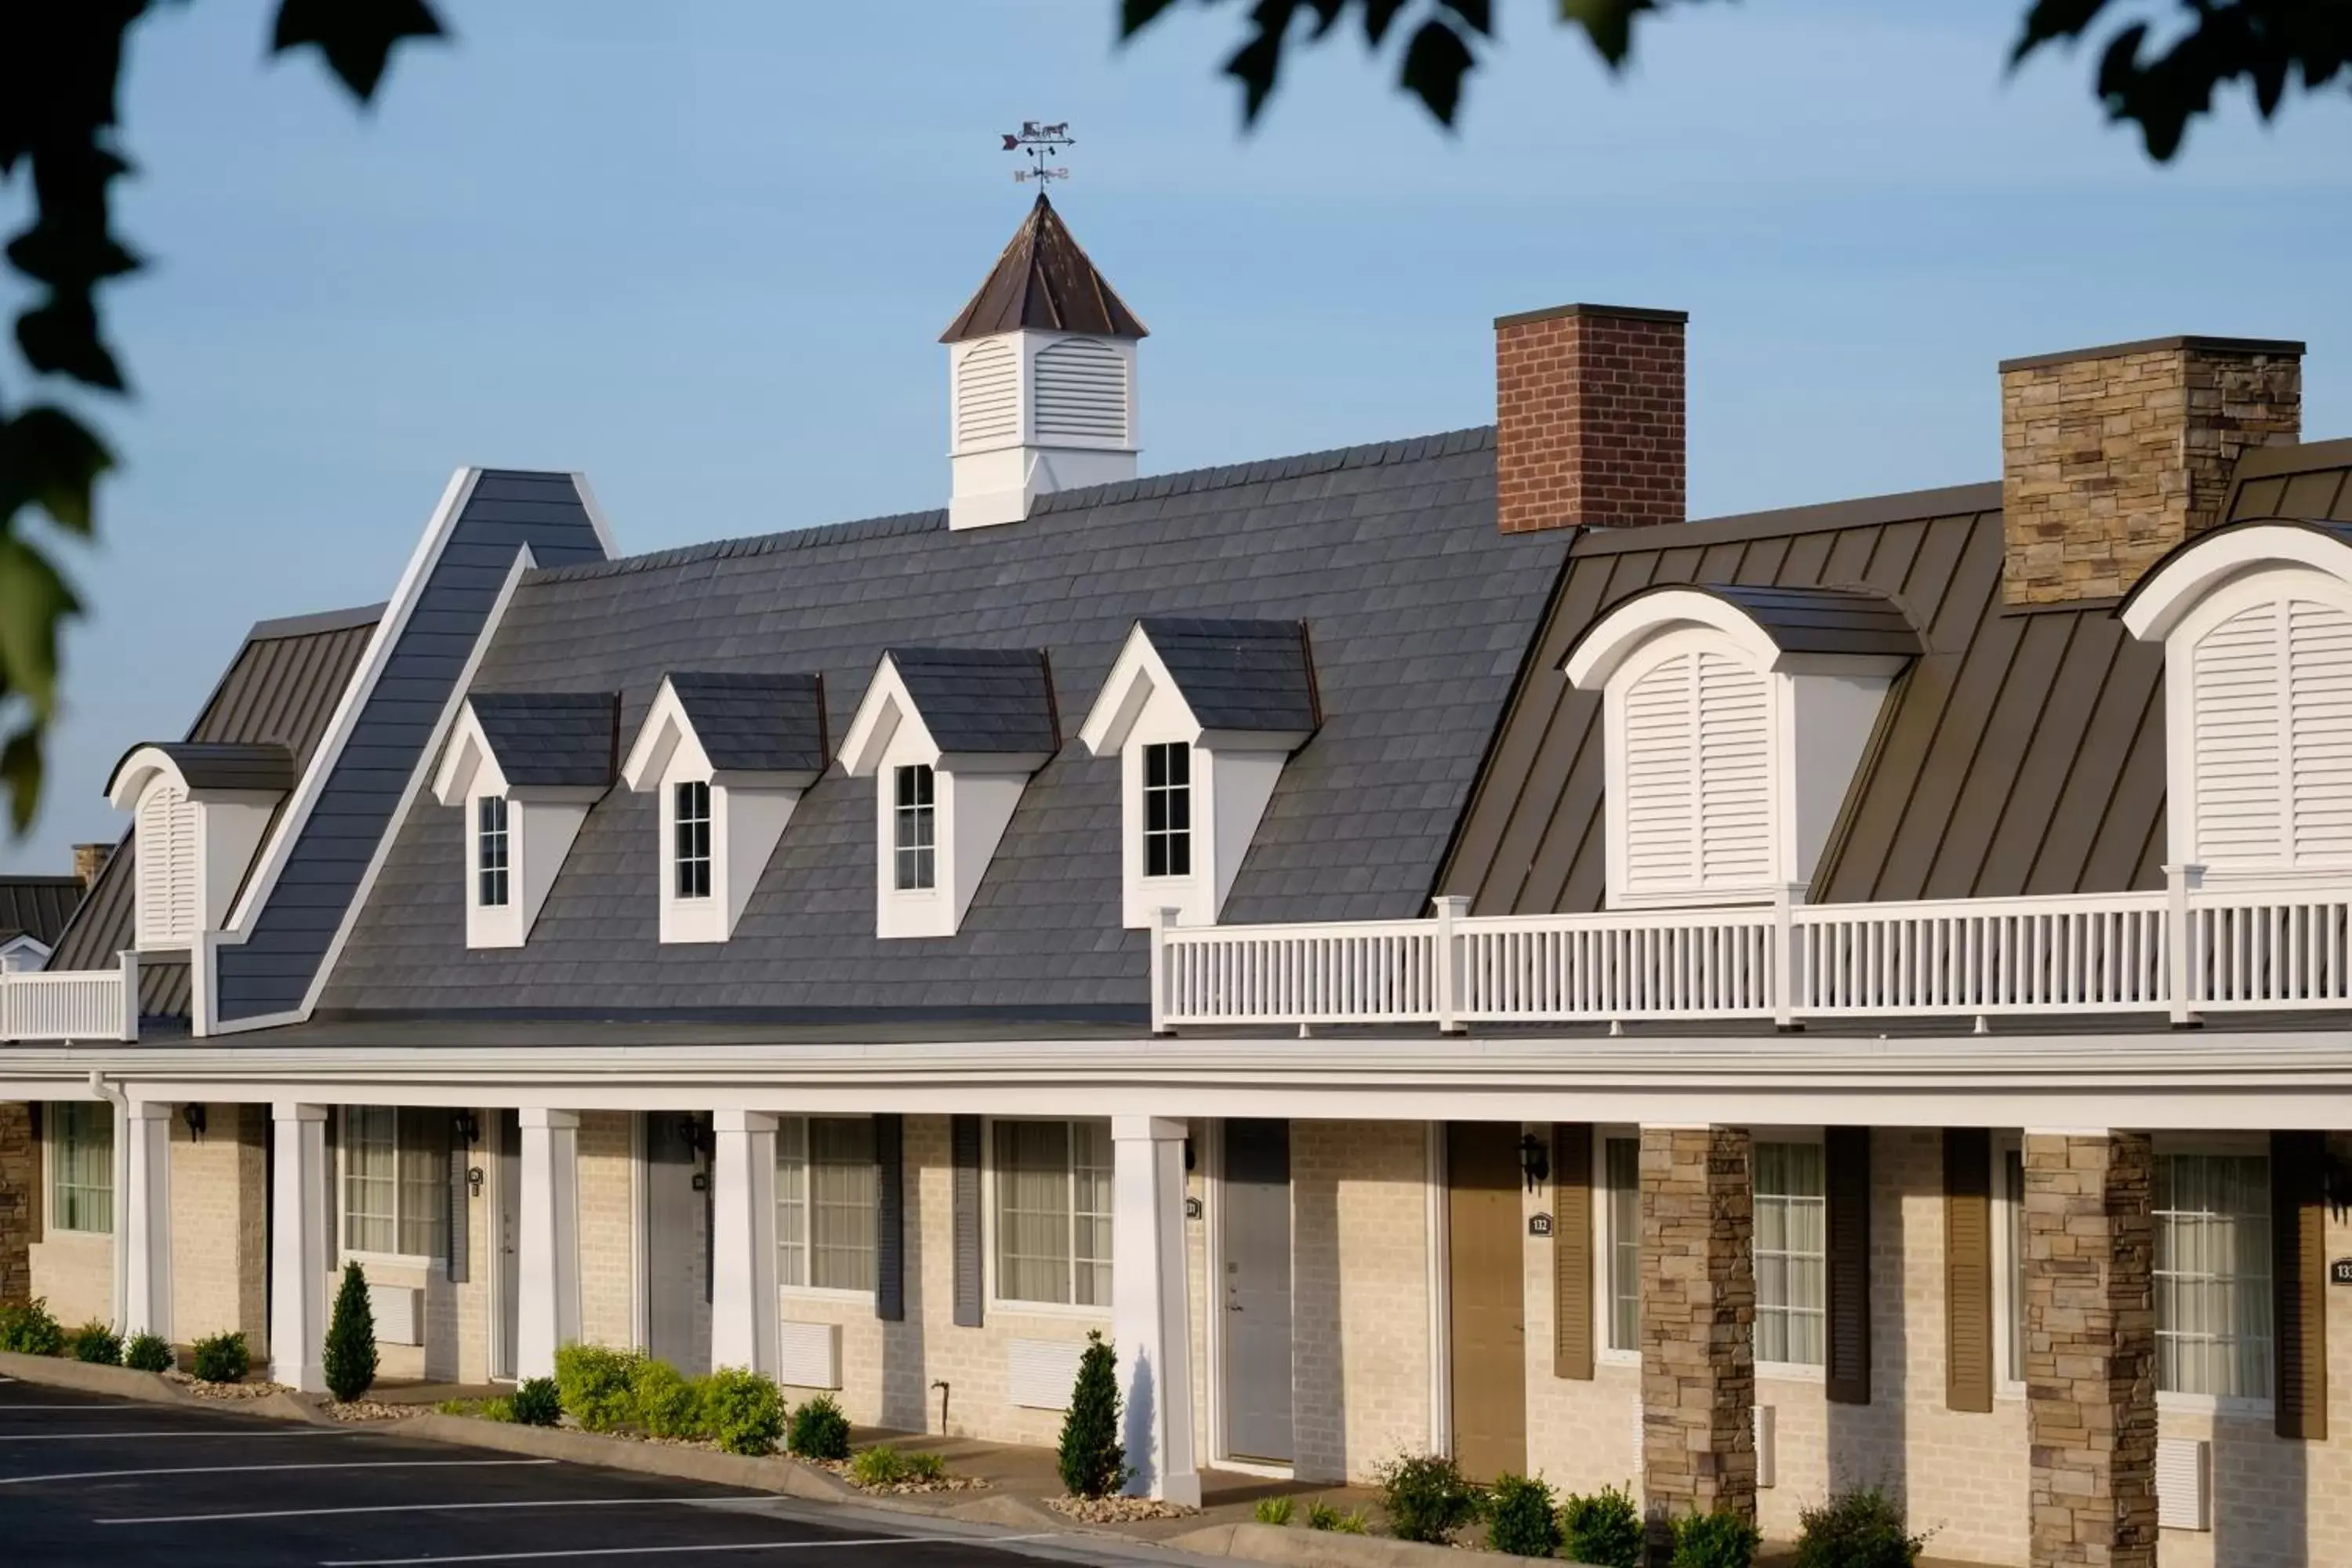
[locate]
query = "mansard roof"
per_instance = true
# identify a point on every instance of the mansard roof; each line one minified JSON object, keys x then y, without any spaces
{"x":1044,"y":279}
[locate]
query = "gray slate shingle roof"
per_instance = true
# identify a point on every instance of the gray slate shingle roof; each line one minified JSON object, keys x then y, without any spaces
{"x":1420,"y":612}
{"x":1238,"y":675}
{"x":755,"y":723}
{"x":982,"y":699}
{"x":549,"y":738}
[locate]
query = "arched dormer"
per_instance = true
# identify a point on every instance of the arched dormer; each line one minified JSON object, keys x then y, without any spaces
{"x":201,"y":809}
{"x":1735,"y":717}
{"x":2256,"y":622}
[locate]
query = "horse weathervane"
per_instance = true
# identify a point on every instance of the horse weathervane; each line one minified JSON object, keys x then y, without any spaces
{"x":1041,"y":144}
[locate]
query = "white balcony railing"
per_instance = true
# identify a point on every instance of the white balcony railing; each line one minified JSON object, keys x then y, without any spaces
{"x":72,"y":1004}
{"x":2180,"y":953}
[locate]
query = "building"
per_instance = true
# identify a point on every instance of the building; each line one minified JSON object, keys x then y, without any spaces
{"x":1425,"y":945}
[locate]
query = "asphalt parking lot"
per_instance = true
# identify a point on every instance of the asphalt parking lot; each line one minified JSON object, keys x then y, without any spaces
{"x":85,"y":1478}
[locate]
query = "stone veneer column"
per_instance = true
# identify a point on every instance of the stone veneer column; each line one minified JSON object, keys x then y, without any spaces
{"x":20,"y":1172}
{"x":1698,"y":1315}
{"x":2090,"y":1348}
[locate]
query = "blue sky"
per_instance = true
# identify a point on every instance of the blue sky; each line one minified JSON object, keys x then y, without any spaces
{"x":702,"y":251}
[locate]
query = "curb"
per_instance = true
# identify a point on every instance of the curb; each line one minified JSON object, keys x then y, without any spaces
{"x":153,"y":1387}
{"x":1294,"y":1548}
{"x":677,"y":1461}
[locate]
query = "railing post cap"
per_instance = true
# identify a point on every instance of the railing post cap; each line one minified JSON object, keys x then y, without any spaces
{"x":1457,"y":904}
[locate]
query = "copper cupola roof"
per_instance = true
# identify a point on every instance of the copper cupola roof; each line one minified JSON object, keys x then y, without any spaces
{"x":1044,"y":279}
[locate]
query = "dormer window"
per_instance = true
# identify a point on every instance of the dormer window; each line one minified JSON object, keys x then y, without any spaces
{"x":201,"y":810}
{"x":1735,"y":719}
{"x":1202,"y":715}
{"x":727,"y":757}
{"x":524,"y":768}
{"x":950,"y":737}
{"x":490,"y":851}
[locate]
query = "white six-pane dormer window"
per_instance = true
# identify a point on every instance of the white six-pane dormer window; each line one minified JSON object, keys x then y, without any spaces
{"x":690,"y":839}
{"x":524,"y":768}
{"x":490,"y":864}
{"x":201,"y":809}
{"x":914,"y":829}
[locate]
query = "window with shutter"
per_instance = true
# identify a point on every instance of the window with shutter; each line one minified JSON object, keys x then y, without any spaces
{"x":168,"y":914}
{"x":1697,"y":768}
{"x":2271,"y":737}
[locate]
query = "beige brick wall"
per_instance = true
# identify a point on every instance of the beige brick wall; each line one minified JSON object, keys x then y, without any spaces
{"x":608,"y":1224}
{"x":74,"y":1272}
{"x":220,"y":1266}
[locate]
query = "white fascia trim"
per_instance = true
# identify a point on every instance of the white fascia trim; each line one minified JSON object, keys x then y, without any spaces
{"x":595,"y":512}
{"x":1135,"y":675}
{"x":1616,"y":636}
{"x":665,"y":728}
{"x":468,"y":767}
{"x":2160,"y":602}
{"x":882,"y":713}
{"x":143,"y":767}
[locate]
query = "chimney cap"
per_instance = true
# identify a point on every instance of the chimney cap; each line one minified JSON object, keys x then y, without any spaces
{"x":2283,"y":346}
{"x":1622,"y":312}
{"x":1044,"y":279}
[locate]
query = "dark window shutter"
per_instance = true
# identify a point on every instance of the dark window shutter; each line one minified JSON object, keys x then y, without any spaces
{"x":1571,"y":1249}
{"x":1845,"y":1152}
{"x":331,"y":1130}
{"x":36,"y":1208}
{"x":460,"y":1241}
{"x":2299,"y":1281}
{"x":889,"y":1218}
{"x":1967,"y":1269}
{"x":964,"y":1155}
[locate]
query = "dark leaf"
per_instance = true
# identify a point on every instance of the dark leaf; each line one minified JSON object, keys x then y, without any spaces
{"x":1378,"y":16}
{"x":357,"y":36}
{"x":1134,"y":16}
{"x":33,"y":600}
{"x":1608,"y":23}
{"x":1479,"y":15}
{"x":60,"y":337}
{"x":81,"y":255}
{"x":50,"y":460}
{"x":20,"y":774}
{"x":2050,"y":20}
{"x":1435,"y":64}
{"x":1257,"y":64}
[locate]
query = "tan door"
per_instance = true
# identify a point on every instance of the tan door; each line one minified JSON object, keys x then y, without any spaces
{"x":1488,"y":1298}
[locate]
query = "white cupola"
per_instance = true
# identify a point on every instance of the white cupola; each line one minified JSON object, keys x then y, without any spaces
{"x":1041,"y":379}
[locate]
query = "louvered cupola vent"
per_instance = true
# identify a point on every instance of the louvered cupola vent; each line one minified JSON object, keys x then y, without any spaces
{"x":1081,"y":387}
{"x":987,"y":394}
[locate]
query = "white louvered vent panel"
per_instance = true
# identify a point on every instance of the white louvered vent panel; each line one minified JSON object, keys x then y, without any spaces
{"x":1660,"y":807}
{"x":2240,"y":801}
{"x":2184,"y":1483}
{"x":399,"y":1314}
{"x":808,"y":1355}
{"x":1735,"y":772}
{"x":2319,"y":684}
{"x":1040,"y":1373}
{"x":987,"y":395}
{"x":1080,"y":386}
{"x":166,"y":847}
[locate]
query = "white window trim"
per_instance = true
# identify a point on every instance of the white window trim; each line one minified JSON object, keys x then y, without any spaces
{"x":1071,"y":1311}
{"x":2009,"y":1268}
{"x":808,"y":1248}
{"x":1793,"y":1370}
{"x":50,"y":1180}
{"x":1605,"y":1250}
{"x":366,"y":1258}
{"x":2224,"y":1405}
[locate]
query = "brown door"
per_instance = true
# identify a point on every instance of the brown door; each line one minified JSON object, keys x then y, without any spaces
{"x":1488,"y":1298}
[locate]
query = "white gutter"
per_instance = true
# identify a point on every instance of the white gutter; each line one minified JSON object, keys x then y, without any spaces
{"x":120,"y":1217}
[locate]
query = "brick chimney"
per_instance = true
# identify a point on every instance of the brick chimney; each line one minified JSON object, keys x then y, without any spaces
{"x":89,"y":859}
{"x":2112,"y":456}
{"x":1588,"y":418}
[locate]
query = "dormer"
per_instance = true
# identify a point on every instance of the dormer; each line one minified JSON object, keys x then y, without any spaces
{"x":1201,"y":715}
{"x":524,"y":768}
{"x":201,"y":809}
{"x":1735,"y":719}
{"x":1041,"y":379}
{"x":950,"y":737}
{"x":726,"y":758}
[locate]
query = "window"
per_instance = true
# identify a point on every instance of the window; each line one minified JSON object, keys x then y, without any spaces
{"x":825,"y":1202}
{"x":1053,"y":1212}
{"x":693,"y":839}
{"x":81,"y":1165}
{"x":490,"y":851}
{"x":1168,"y":810}
{"x":2012,"y":1223}
{"x":2213,"y":1274}
{"x":1622,"y":1170}
{"x":1791,"y":1268}
{"x":914,"y":819}
{"x":395,"y":1179}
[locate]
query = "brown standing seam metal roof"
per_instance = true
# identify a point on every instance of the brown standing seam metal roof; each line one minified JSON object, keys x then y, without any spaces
{"x":37,"y":907}
{"x":1044,"y":279}
{"x":1807,"y":620}
{"x":221,"y":765}
{"x":2313,"y":481}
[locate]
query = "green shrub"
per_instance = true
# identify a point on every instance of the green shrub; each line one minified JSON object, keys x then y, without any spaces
{"x":597,"y":1386}
{"x":928,"y":1468}
{"x":666,"y":1405}
{"x":1603,"y":1530}
{"x":147,"y":1352}
{"x":1860,"y":1528}
{"x":1093,"y":1461}
{"x":879,"y":1466}
{"x":500,"y":1408}
{"x":97,"y":1344}
{"x":29,"y":1330}
{"x":743,"y":1411}
{"x":1519,"y":1516}
{"x":819,"y":1430}
{"x":222,"y":1358}
{"x":1272,"y":1510}
{"x":1721,"y":1539}
{"x":351,"y":1359}
{"x":535,"y":1402}
{"x":1323,"y":1515}
{"x":1426,"y":1497}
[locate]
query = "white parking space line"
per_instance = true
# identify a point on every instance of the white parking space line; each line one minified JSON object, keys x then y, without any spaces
{"x":100,"y":1409}
{"x":272,"y":1470}
{"x":682,"y":1550}
{"x":100,"y":1437}
{"x":439,"y":1507}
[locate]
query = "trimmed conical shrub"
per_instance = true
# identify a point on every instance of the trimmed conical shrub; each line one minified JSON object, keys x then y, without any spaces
{"x":350,"y":1337}
{"x":1093,"y":1462}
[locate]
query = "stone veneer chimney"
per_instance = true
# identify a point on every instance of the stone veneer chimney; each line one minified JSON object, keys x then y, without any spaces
{"x":1589,"y":405}
{"x":89,"y":860}
{"x":2112,"y":456}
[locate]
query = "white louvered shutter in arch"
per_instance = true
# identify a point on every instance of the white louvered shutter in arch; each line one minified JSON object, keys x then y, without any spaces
{"x":2271,"y":737}
{"x":1735,"y":774}
{"x":1081,"y":387}
{"x":1697,"y":773}
{"x":166,"y":849}
{"x":2319,"y":731}
{"x":1660,"y":806}
{"x":987,"y":394}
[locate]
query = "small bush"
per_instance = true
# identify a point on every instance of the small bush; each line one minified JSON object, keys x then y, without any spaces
{"x":351,"y":1358}
{"x":1272,"y":1510}
{"x":222,"y":1358}
{"x":1093,"y":1460}
{"x":666,"y":1405}
{"x":1323,"y":1515}
{"x":29,"y":1330}
{"x":1519,"y":1516}
{"x":928,"y":1468}
{"x":96,"y":1343}
{"x":819,"y":1430}
{"x":536,"y":1403}
{"x":879,"y":1466}
{"x":1603,"y":1530}
{"x":1426,"y":1497}
{"x":1721,"y":1539}
{"x":745,"y":1413}
{"x":597,"y":1386}
{"x":1862,"y":1529}
{"x":147,"y":1352}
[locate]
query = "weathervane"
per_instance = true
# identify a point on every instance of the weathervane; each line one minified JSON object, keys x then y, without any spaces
{"x":1042,"y":143}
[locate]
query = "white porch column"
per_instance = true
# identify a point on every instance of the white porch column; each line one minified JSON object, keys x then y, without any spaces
{"x":1148,"y":1323}
{"x":298,"y":1247}
{"x":147,"y":1252}
{"x":743,"y":1305}
{"x":548,"y":1311}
